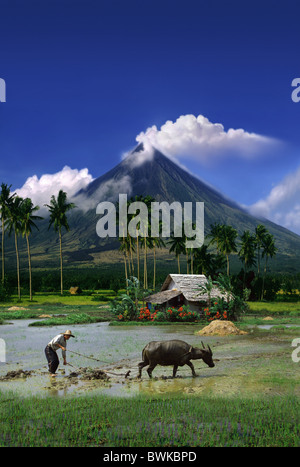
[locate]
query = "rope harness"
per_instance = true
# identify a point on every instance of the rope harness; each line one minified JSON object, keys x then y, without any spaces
{"x":86,"y":356}
{"x":101,"y":361}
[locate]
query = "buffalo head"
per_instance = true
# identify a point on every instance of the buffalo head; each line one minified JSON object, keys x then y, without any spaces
{"x":205,"y":354}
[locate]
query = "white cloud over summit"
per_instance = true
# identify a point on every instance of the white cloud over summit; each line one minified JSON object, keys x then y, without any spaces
{"x":199,"y":139}
{"x":189,"y":137}
{"x":41,"y":189}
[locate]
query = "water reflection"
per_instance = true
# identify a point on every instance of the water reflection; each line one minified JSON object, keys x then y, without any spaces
{"x":120,"y":346}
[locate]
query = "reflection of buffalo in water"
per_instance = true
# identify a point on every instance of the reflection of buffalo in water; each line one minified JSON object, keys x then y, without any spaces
{"x":173,"y":352}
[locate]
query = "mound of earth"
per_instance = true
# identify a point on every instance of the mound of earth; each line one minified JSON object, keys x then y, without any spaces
{"x":220,"y":328}
{"x":17,"y":308}
{"x":268,"y":318}
{"x":15,"y":374}
{"x":94,"y":374}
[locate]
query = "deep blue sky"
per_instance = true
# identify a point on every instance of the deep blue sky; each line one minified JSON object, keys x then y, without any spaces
{"x":85,"y":77}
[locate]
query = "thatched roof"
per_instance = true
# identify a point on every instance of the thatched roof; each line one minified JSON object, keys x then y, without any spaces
{"x":186,"y":284}
{"x":163,"y":297}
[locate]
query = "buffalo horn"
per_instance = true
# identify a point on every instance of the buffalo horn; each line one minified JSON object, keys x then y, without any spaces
{"x":203,"y":344}
{"x":209,"y":349}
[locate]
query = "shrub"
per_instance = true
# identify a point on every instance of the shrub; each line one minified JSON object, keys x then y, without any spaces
{"x":5,"y":291}
{"x":125,"y":310}
{"x":223,"y":309}
{"x":160,"y":316}
{"x":146,"y":315}
{"x":182,"y":313}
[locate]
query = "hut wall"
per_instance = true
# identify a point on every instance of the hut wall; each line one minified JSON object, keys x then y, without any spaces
{"x":193,"y":306}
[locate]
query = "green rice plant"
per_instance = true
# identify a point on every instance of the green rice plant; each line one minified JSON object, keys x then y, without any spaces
{"x":18,"y":314}
{"x":280,"y":308}
{"x":74,"y":318}
{"x":149,"y":422}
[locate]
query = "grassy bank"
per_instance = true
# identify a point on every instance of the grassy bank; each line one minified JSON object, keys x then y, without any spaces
{"x":276,"y":308}
{"x":52,"y":298}
{"x":180,"y":421}
{"x":59,"y":315}
{"x":55,"y":313}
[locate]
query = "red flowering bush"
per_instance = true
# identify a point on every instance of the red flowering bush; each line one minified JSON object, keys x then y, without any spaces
{"x":182,"y":313}
{"x":219,"y":310}
{"x":146,"y":315}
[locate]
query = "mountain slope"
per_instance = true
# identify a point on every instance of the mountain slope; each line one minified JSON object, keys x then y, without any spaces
{"x":164,"y":180}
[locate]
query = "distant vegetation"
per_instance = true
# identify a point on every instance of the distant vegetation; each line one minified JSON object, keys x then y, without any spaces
{"x":223,"y":246}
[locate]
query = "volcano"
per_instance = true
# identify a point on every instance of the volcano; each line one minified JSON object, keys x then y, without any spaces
{"x":151,"y":173}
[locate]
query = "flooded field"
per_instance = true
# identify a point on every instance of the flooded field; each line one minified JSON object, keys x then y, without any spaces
{"x":256,"y":363}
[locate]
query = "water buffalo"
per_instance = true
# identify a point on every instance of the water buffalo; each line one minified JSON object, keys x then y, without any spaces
{"x":173,"y":352}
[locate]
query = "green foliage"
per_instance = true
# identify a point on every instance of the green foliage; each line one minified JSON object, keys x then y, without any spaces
{"x":160,"y":316}
{"x":226,"y":309}
{"x":5,"y":291}
{"x":230,"y":306}
{"x":124,"y":307}
{"x":179,"y":421}
{"x":58,"y":209}
{"x":74,"y":318}
{"x":181,"y":314}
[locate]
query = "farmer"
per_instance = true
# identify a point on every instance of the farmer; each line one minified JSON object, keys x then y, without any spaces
{"x":58,"y":342}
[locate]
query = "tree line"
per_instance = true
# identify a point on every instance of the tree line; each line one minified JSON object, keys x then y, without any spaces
{"x":18,"y":218}
{"x":251,"y":249}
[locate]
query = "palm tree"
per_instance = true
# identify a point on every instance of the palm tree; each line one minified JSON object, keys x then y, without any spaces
{"x":190,"y":251}
{"x":247,"y":251}
{"x":124,"y":247}
{"x":203,"y":260}
{"x":207,"y":289}
{"x":5,"y":201}
{"x":226,"y":242}
{"x":216,"y":233}
{"x":224,"y":283}
{"x":207,"y":263}
{"x":14,"y":222}
{"x":178,"y":247}
{"x":260,"y":233}
{"x":148,"y":243}
{"x":58,"y":209}
{"x":269,"y":250}
{"x":132,"y":200}
{"x":27,"y":220}
{"x":157,"y":242}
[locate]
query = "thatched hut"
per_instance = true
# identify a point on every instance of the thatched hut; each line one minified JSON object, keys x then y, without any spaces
{"x":182,"y":289}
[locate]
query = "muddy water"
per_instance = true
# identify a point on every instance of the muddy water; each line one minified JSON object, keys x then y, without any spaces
{"x":239,"y":361}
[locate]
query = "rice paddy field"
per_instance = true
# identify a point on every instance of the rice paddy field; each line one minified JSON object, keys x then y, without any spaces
{"x":149,"y":422}
{"x":250,"y":398}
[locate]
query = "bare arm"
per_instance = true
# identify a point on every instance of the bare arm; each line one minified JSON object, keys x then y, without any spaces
{"x":63,"y":350}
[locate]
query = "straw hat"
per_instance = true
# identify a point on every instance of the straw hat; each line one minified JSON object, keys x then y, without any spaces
{"x":68,"y":333}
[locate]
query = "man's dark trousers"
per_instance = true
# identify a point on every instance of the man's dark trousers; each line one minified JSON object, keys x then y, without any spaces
{"x":52,"y":358}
